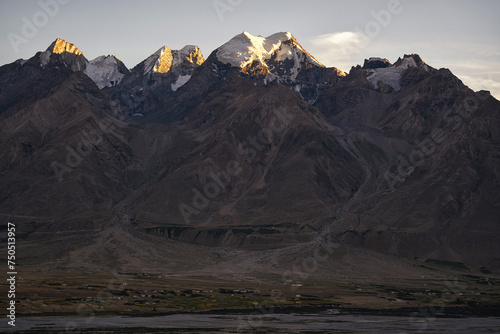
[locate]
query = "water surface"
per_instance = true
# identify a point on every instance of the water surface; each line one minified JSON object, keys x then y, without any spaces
{"x":274,"y":323}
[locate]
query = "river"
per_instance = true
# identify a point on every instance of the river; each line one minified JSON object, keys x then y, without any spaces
{"x":275,"y":323}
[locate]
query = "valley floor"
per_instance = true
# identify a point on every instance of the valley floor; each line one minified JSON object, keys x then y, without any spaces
{"x":72,"y":292}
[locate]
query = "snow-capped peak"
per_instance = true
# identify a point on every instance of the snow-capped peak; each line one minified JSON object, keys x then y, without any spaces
{"x":106,"y":71}
{"x":243,"y":49}
{"x":391,"y":74}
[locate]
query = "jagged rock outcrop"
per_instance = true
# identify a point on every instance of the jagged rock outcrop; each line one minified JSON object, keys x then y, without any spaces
{"x":148,"y":84}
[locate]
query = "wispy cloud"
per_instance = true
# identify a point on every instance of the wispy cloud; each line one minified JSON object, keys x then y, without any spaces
{"x":338,"y":49}
{"x":338,"y":38}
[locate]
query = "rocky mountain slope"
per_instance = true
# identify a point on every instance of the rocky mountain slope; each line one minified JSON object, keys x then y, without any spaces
{"x":428,"y":142}
{"x":148,"y":84}
{"x":258,"y":148}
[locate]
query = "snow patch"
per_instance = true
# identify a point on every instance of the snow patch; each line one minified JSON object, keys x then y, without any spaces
{"x":104,"y":71}
{"x":389,"y":75}
{"x":181,"y":80}
{"x":285,"y":52}
{"x":45,"y":58}
{"x":274,"y":42}
{"x":392,"y":75}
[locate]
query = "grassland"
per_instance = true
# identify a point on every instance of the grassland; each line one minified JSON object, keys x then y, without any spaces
{"x":78,"y":292}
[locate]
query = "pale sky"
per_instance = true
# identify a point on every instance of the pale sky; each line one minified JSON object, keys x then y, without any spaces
{"x":463,"y":36}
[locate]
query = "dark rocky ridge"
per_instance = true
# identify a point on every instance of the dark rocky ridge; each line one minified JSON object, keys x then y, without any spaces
{"x":374,"y":63}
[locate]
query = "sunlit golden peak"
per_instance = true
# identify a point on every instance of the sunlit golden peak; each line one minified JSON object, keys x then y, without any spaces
{"x":192,"y":54}
{"x":60,"y":46}
{"x":164,"y":61}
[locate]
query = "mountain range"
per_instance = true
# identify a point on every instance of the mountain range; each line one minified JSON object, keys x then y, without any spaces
{"x":251,"y":156}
